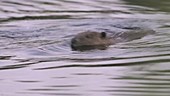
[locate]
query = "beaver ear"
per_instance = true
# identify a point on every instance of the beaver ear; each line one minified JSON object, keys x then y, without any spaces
{"x":103,"y":34}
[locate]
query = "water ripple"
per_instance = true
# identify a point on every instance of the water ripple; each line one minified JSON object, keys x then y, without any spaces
{"x":36,"y":58}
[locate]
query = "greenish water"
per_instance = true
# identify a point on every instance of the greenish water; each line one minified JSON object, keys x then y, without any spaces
{"x":36,"y":59}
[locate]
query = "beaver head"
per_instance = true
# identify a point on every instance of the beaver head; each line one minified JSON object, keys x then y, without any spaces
{"x":90,"y":40}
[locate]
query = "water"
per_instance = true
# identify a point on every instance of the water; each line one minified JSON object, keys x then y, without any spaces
{"x":36,"y":59}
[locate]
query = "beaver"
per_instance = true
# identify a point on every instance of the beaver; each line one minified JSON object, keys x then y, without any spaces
{"x":91,"y":40}
{"x":100,"y":40}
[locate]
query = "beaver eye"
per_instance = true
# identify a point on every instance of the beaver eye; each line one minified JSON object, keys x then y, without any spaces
{"x":103,"y":34}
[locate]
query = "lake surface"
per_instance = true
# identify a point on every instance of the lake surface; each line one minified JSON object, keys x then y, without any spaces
{"x":36,"y":58}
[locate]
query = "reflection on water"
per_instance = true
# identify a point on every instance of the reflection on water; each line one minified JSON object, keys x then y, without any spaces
{"x":36,"y":59}
{"x":66,"y":9}
{"x":158,"y":5}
